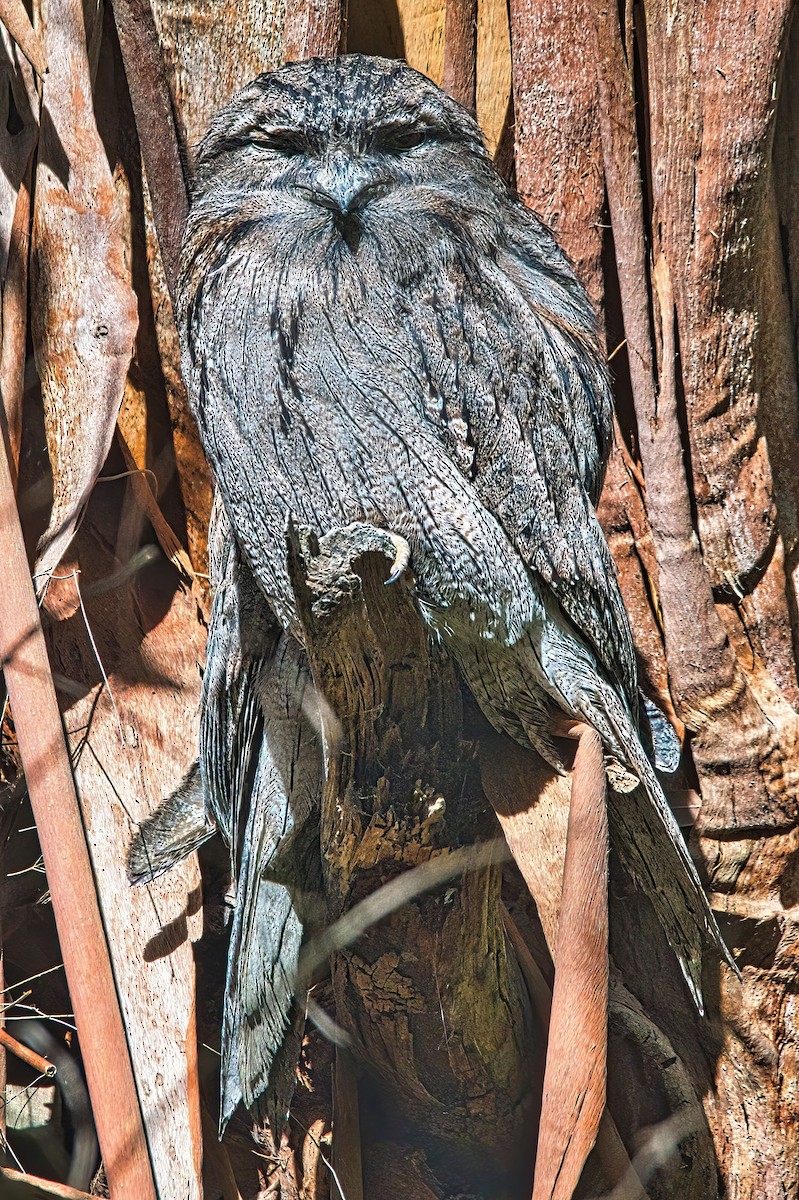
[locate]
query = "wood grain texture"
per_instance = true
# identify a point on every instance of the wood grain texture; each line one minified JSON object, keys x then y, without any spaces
{"x":395,"y":797}
{"x":212,"y":51}
{"x":83,"y":307}
{"x":155,"y":125}
{"x":576,"y":1068}
{"x":131,"y":742}
{"x":459,"y":73}
{"x":313,"y":28}
{"x":558,"y":153}
{"x":15,"y":18}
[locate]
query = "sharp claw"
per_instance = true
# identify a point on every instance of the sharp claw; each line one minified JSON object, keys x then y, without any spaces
{"x":401,"y":558}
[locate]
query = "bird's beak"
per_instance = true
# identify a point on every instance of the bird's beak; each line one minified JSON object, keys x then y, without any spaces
{"x":342,"y":184}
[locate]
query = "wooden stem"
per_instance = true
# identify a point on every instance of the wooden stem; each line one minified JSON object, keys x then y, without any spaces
{"x":576,"y":1067}
{"x":20,"y":1185}
{"x":48,"y":772}
{"x":313,"y":27}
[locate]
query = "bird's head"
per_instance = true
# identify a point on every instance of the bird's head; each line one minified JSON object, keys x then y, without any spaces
{"x":354,"y":156}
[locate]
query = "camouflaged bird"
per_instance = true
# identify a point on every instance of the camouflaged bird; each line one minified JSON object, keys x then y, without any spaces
{"x":376,"y":330}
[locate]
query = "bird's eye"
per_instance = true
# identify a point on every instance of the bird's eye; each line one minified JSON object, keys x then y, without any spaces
{"x":393,"y":139}
{"x":283,"y":141}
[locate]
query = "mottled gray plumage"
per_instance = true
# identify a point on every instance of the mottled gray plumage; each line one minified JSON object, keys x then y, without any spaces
{"x":376,"y":330}
{"x":261,"y":763}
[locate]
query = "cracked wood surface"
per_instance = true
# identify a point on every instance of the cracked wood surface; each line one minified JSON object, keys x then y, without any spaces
{"x":431,"y":997}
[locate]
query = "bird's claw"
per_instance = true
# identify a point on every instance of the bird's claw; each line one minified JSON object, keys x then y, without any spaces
{"x":401,"y":558}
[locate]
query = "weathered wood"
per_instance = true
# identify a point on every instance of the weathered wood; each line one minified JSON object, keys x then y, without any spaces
{"x":131,"y":741}
{"x":431,"y":996}
{"x":83,"y":310}
{"x":155,"y":125}
{"x":313,"y":28}
{"x":558,"y":154}
{"x":459,"y":74}
{"x":682,"y":115}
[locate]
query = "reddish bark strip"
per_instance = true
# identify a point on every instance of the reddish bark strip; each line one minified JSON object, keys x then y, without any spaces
{"x":574,"y":1080}
{"x":460,"y":52}
{"x":155,"y":125}
{"x":558,"y":155}
{"x":23,"y":1185}
{"x":313,"y":27}
{"x":51,"y":788}
{"x":15,"y":320}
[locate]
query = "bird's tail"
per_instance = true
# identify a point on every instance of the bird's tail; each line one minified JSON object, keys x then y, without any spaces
{"x":262,"y":1023}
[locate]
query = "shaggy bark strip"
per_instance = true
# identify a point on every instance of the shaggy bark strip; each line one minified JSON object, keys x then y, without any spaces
{"x":15,"y":17}
{"x":155,"y":125}
{"x":574,"y":1081}
{"x":19,"y":121}
{"x":83,"y":307}
{"x":558,"y":155}
{"x":460,"y":52}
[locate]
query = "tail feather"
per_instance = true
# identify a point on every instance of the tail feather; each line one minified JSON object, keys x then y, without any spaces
{"x":179,"y":825}
{"x":278,"y":873}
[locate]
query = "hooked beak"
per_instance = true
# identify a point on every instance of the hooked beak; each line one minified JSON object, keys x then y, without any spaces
{"x":342,"y":186}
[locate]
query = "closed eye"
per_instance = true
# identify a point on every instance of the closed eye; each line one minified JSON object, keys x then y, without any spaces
{"x":395,"y":138}
{"x":283,"y":141}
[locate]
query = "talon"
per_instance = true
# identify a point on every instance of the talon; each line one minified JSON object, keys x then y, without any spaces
{"x":401,"y":558}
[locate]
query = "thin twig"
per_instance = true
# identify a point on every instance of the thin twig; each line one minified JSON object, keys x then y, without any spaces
{"x":40,"y":1064}
{"x":31,"y":1183}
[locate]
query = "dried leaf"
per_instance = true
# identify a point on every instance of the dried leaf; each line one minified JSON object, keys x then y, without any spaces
{"x":84,"y":310}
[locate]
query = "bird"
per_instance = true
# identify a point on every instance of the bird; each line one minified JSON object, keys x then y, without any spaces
{"x":377,"y":330}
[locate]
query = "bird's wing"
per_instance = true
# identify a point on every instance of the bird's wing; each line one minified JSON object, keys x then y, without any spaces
{"x":261,"y":764}
{"x":523,"y":402}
